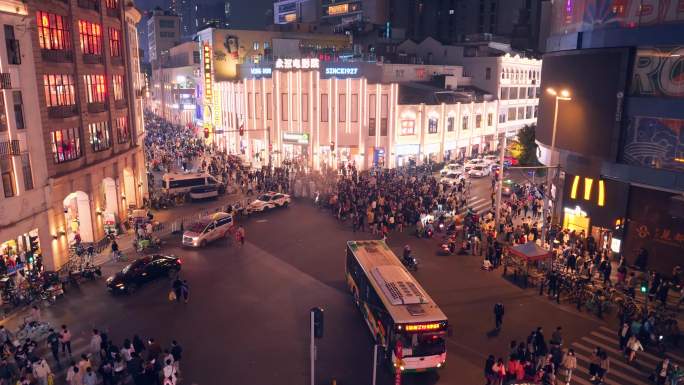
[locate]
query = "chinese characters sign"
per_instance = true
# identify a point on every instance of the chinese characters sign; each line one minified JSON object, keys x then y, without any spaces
{"x":208,"y":86}
{"x":296,"y":64}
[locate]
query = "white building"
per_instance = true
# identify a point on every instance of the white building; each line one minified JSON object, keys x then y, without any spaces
{"x":328,"y":113}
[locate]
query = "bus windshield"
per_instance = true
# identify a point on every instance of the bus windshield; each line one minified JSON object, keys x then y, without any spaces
{"x":422,"y":344}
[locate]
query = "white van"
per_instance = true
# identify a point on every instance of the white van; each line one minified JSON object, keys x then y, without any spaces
{"x":173,"y":183}
{"x":208,"y":229}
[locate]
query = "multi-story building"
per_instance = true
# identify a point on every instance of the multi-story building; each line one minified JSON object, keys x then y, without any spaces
{"x":70,"y":155}
{"x":163,"y":32}
{"x":619,"y":138}
{"x":296,"y":11}
{"x":328,"y":113}
{"x":353,"y":16}
{"x":173,"y":93}
{"x":196,"y":15}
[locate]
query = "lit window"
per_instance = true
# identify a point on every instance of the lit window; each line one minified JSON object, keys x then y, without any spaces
{"x":99,"y":136}
{"x":123,"y":134}
{"x":59,"y":90}
{"x":115,"y":42}
{"x":66,"y":144}
{"x":96,"y":88}
{"x":118,"y":87}
{"x":408,"y":127}
{"x":90,"y":35}
{"x":54,"y":31}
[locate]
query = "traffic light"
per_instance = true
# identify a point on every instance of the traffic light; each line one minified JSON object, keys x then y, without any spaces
{"x":332,"y":146}
{"x":206,"y":132}
{"x":33,"y":243}
{"x":241,"y":130}
{"x":317,"y":314}
{"x":644,"y":287}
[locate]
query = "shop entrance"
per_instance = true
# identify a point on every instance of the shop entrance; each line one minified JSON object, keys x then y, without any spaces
{"x":22,"y":253}
{"x":575,"y":219}
{"x":77,"y":217}
{"x":128,"y":196}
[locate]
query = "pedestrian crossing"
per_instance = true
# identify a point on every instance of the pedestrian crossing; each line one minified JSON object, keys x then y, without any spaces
{"x":621,"y":371}
{"x":478,"y":204}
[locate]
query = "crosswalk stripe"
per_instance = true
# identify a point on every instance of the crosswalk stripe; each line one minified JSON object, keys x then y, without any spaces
{"x":612,"y":373}
{"x":640,"y":354}
{"x":579,"y":380}
{"x":613,"y":361}
{"x":607,"y":380}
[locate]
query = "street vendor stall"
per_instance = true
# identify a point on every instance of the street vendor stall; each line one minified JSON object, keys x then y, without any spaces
{"x":527,"y":261}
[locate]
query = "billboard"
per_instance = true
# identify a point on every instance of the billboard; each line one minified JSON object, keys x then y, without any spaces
{"x":570,"y":16}
{"x":654,"y":142}
{"x":589,"y":124}
{"x":658,"y":71}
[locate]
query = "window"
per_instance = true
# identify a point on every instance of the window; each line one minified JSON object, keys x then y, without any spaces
{"x":3,"y":116}
{"x":490,"y":119}
{"x":99,"y":136}
{"x":255,"y":46}
{"x":432,"y":125}
{"x":450,"y":124}
{"x":383,"y":114}
{"x":465,"y":123}
{"x":95,"y":87}
{"x":249,"y":105}
{"x":342,"y":109}
{"x":504,"y":93}
{"x":59,"y":90}
{"x":54,"y":31}
{"x":115,"y":42}
{"x":295,"y":110}
{"x":478,"y":121}
{"x":530,"y":92}
{"x":66,"y":144}
{"x":111,"y":4}
{"x":371,"y":114}
{"x":196,"y":57}
{"x":26,"y":170}
{"x":324,"y":107}
{"x":528,"y":112}
{"x":354,"y":108}
{"x":523,"y":93}
{"x":513,"y":93}
{"x":167,"y":24}
{"x":536,"y":111}
{"x":123,"y":134}
{"x":502,"y":117}
{"x":18,"y":109}
{"x":536,"y":92}
{"x":305,"y":107}
{"x":512,"y":113}
{"x":283,"y":106}
{"x":269,"y":105}
{"x":12,"y":44}
{"x":408,"y":127}
{"x":118,"y":87}
{"x":488,"y":73}
{"x":7,"y":176}
{"x":90,"y":35}
{"x":257,"y":105}
{"x":521,"y":112}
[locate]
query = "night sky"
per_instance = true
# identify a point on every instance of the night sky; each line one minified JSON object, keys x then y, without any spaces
{"x":244,"y":13}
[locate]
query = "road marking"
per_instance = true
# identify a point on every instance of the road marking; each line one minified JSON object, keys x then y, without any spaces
{"x":612,"y":373}
{"x":613,"y":362}
{"x":641,"y":354}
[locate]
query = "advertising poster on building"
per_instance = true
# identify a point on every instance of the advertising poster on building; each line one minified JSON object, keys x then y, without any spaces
{"x":654,"y":142}
{"x":659,"y":72}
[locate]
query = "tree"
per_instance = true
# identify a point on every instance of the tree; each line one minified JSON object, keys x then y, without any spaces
{"x":528,"y":147}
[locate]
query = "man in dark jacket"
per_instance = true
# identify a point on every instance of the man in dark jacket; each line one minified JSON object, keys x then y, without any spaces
{"x":498,"y":314}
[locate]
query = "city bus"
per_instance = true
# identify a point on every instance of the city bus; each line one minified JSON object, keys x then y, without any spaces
{"x":401,"y":316}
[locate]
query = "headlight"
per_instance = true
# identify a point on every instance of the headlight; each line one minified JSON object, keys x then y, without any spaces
{"x":120,"y":285}
{"x":109,"y":280}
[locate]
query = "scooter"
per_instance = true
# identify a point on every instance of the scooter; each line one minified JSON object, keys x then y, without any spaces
{"x":410,"y":262}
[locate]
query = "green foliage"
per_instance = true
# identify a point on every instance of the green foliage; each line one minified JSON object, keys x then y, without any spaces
{"x":528,"y":147}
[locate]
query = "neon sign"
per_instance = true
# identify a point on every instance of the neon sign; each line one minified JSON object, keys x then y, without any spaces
{"x":290,"y":63}
{"x":342,"y":71}
{"x":260,"y":71}
{"x":208,"y":86}
{"x":422,"y":327}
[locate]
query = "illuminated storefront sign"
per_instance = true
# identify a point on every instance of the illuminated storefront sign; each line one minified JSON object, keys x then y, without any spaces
{"x":295,"y":137}
{"x":341,"y":71}
{"x":208,"y":86}
{"x":260,"y":71}
{"x":338,"y":9}
{"x":588,"y":184}
{"x":290,"y":63}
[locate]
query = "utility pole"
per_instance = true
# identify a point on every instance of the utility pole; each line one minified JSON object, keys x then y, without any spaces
{"x":499,"y":189}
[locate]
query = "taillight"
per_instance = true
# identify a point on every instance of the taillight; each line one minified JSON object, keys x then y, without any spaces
{"x":180,"y":261}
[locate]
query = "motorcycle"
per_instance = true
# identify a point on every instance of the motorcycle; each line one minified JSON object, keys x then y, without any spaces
{"x":88,"y":272}
{"x":410,"y":262}
{"x":148,"y":245}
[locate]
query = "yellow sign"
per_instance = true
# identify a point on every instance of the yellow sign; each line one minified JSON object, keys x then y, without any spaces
{"x":208,"y":85}
{"x":338,"y":9}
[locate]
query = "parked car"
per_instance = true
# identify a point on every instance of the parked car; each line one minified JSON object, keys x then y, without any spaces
{"x":479,"y":171}
{"x":208,"y":229}
{"x":472,"y":163}
{"x":143,"y":270}
{"x":268,"y":201}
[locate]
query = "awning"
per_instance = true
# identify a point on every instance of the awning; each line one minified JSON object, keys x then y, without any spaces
{"x":530,"y":251}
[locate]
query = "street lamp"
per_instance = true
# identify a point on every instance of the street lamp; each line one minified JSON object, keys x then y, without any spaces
{"x":563,"y":95}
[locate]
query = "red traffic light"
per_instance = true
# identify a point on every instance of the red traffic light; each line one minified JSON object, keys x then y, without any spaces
{"x":241,"y":130}
{"x":206,"y":132}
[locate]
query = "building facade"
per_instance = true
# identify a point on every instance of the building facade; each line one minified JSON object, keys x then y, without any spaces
{"x":322,"y":114}
{"x":173,"y":90}
{"x":163,"y":32}
{"x":296,"y":11}
{"x":73,"y":165}
{"x":618,"y":141}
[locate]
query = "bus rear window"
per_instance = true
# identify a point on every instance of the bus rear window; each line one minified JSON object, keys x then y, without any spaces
{"x":425,"y":344}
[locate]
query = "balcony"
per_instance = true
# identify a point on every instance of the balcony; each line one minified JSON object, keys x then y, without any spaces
{"x":10,"y":147}
{"x":97,"y":107}
{"x":120,"y":104}
{"x":113,"y":12}
{"x":57,"y":56}
{"x":117,"y":61}
{"x":61,"y":112}
{"x":89,"y":4}
{"x":92,"y":59}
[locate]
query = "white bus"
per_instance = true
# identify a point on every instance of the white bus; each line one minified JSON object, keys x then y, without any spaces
{"x":401,"y":316}
{"x":173,"y":183}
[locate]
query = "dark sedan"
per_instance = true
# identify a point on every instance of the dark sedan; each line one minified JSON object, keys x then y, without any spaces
{"x":143,"y":270}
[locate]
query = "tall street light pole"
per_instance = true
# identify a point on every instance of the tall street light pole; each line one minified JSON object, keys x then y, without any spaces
{"x":565,"y":96}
